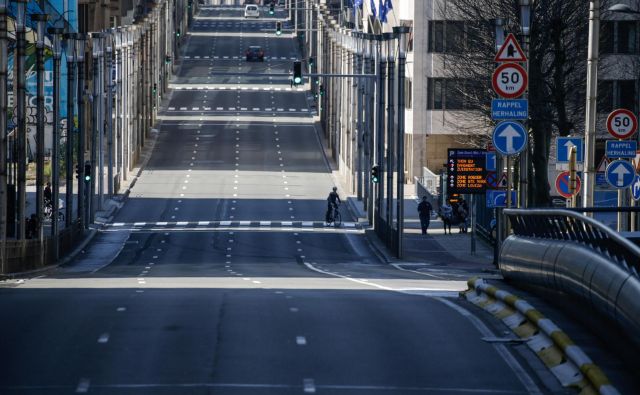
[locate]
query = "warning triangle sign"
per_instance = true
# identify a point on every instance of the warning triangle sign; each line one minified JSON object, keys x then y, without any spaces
{"x":510,"y":51}
{"x":503,"y":181}
{"x":602,"y":167}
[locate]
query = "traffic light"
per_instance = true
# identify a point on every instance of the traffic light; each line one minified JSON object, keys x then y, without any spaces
{"x":87,"y":171}
{"x":178,"y":33}
{"x":278,"y":28}
{"x":77,"y":171}
{"x":167,"y":59}
{"x":297,"y":72}
{"x":311,"y":62}
{"x":375,"y":174}
{"x":155,"y":89}
{"x":321,"y":90}
{"x":271,"y":9}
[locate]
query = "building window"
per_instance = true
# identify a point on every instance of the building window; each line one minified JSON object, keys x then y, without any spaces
{"x":447,"y":36}
{"x":449,"y":93}
{"x":408,"y":93}
{"x":614,"y":94}
{"x":619,"y":37}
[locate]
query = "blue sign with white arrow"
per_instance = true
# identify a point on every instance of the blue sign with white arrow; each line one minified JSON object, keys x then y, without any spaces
{"x":498,"y":198}
{"x":620,"y":173}
{"x":635,"y":188}
{"x":509,"y":137}
{"x":505,"y":109}
{"x":621,"y":148}
{"x":490,"y":162}
{"x":563,"y":147}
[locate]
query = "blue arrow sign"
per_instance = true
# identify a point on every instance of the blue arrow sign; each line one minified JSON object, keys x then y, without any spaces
{"x":509,"y":137}
{"x":504,"y":109}
{"x":498,"y":198}
{"x":564,"y":144}
{"x":621,"y":148}
{"x":620,"y":173}
{"x":635,"y":188}
{"x":490,"y":163}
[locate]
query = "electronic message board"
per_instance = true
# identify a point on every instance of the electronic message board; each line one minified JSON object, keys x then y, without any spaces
{"x":466,"y":170}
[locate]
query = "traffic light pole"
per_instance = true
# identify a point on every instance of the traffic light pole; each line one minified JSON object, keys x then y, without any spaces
{"x":70,"y":42}
{"x":80,"y":41}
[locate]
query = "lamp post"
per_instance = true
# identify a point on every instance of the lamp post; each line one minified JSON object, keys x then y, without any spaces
{"x":108,"y":53}
{"x":20,"y":76}
{"x":55,"y":150}
{"x":81,"y":39}
{"x":390,"y":44}
{"x":41,"y":20}
{"x":96,"y":45}
{"x":70,"y":49}
{"x":401,"y":33}
{"x":525,"y":27}
{"x":590,"y":110}
{"x":3,"y":133}
{"x":382,"y":69}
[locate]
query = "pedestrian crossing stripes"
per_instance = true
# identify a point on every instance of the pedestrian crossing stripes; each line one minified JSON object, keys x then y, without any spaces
{"x":227,"y":224}
{"x":232,"y":88}
{"x":242,"y":109}
{"x":237,"y":57}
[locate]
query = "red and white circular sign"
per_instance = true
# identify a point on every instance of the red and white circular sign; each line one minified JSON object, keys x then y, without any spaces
{"x":622,"y":123}
{"x":510,"y":80}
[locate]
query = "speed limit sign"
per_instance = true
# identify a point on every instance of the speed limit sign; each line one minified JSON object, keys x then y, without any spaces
{"x":622,"y":123}
{"x":509,"y":80}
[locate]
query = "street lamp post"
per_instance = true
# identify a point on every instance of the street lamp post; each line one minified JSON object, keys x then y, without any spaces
{"x":96,"y":42}
{"x":590,"y":111}
{"x":70,"y":49}
{"x":41,"y":20}
{"x":80,"y":48}
{"x":525,"y":26}
{"x":55,"y":149}
{"x":382,"y":68}
{"x":3,"y":133}
{"x":401,"y":33}
{"x":390,"y":44}
{"x":20,"y":76}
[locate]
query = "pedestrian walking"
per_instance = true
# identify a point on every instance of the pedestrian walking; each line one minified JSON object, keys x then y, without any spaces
{"x":424,"y":211}
{"x":463,"y":214}
{"x":446,"y":213}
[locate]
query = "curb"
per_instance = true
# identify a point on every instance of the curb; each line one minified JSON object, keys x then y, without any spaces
{"x":571,"y":366}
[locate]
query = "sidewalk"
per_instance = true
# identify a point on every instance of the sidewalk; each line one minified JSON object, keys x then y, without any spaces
{"x":435,"y":248}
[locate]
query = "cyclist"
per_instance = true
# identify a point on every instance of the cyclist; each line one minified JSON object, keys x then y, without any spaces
{"x":332,"y":203}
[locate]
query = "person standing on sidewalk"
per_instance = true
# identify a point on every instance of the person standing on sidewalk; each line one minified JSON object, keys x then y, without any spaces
{"x":424,"y":210}
{"x":446,"y":212}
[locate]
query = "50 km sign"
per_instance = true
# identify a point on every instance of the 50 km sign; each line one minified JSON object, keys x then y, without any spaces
{"x":510,"y":80}
{"x":622,"y":123}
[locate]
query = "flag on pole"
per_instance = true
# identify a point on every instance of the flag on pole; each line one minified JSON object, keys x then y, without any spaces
{"x":383,"y":10}
{"x":373,"y":8}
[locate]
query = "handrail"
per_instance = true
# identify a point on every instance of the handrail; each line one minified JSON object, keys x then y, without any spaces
{"x":561,"y":224}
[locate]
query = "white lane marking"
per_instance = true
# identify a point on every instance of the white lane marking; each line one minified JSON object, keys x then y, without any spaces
{"x":287,"y":223}
{"x":309,"y":386}
{"x":301,"y":340}
{"x":205,"y":223}
{"x":265,"y":223}
{"x":182,"y":223}
{"x":139,"y":223}
{"x":306,"y":223}
{"x":118,"y":224}
{"x":162,"y":223}
{"x":256,"y":282}
{"x":121,"y":309}
{"x":293,"y":309}
{"x":245,"y":223}
{"x":104,"y":338}
{"x":83,"y":386}
{"x":225,"y":223}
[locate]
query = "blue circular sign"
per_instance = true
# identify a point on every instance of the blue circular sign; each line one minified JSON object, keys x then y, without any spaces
{"x":635,"y":188}
{"x":509,"y":138}
{"x":620,"y":174}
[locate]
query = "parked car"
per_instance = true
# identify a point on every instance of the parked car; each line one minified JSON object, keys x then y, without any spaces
{"x":251,"y":11}
{"x":255,"y":52}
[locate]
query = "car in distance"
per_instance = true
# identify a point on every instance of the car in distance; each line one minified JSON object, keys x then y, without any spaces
{"x":255,"y":52}
{"x":251,"y":11}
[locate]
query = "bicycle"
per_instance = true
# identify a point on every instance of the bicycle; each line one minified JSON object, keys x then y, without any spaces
{"x":335,"y":217}
{"x":48,"y":210}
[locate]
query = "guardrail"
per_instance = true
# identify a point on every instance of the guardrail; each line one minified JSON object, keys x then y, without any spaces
{"x":578,"y":256}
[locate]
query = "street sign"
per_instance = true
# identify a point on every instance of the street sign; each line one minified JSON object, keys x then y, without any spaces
{"x":621,"y":148}
{"x":466,"y":170}
{"x":492,"y":180}
{"x":563,"y":185}
{"x":509,"y":137}
{"x":622,"y":123}
{"x":502,"y":182}
{"x":510,"y":51}
{"x":635,"y":188}
{"x":490,"y":163}
{"x":601,"y":175}
{"x":505,"y":109}
{"x":563,"y":147}
{"x":620,"y":173}
{"x":509,"y":80}
{"x":498,"y":198}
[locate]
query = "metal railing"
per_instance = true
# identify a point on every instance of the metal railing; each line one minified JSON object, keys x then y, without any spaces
{"x":560,"y":224}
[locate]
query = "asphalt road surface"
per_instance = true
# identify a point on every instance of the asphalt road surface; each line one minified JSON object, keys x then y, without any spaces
{"x":218,"y":276}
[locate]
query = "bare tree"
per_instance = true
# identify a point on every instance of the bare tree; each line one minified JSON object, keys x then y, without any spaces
{"x":557,"y":51}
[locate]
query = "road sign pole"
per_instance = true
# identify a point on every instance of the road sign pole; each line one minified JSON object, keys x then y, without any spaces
{"x":572,"y":176}
{"x":590,"y":108}
{"x":509,"y":202}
